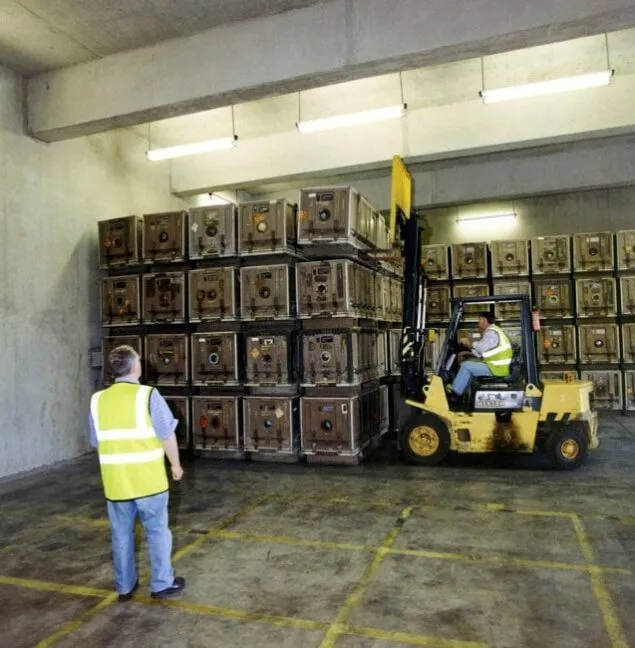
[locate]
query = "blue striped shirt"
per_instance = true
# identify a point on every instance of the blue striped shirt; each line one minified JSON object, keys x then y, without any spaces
{"x":161,"y":416}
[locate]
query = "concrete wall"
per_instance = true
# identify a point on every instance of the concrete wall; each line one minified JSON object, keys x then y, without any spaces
{"x":51,"y":197}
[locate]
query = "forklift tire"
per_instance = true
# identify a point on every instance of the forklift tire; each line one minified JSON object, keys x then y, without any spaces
{"x":424,"y":440}
{"x":567,"y":447}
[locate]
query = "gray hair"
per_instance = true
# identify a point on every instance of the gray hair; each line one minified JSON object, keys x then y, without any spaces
{"x":121,"y":360}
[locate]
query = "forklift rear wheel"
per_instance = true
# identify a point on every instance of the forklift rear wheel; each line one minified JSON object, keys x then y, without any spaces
{"x":567,"y":447}
{"x":425,"y":440}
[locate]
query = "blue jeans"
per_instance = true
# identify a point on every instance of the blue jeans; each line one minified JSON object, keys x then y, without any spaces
{"x":469,"y":369}
{"x":153,"y":513}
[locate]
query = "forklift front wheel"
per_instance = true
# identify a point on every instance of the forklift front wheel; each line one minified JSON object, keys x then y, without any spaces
{"x":425,"y":440}
{"x":567,"y":447}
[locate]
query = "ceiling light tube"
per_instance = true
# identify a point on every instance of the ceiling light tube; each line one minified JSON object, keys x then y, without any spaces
{"x":499,"y":219}
{"x":352,"y":119}
{"x":592,"y":80}
{"x":195,"y":148}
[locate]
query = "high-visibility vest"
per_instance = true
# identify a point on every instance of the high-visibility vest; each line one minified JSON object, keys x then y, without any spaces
{"x":499,"y":359}
{"x":131,"y":455}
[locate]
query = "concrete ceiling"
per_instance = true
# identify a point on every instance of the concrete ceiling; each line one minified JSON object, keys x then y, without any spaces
{"x":41,"y":35}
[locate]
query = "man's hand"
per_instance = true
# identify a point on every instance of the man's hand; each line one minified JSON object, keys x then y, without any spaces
{"x":177,"y":473}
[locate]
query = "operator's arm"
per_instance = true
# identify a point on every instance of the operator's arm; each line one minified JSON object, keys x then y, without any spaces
{"x":487,"y":343}
{"x":164,"y":425}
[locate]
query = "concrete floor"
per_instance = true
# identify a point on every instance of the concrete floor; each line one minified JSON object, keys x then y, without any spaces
{"x":481,"y":551}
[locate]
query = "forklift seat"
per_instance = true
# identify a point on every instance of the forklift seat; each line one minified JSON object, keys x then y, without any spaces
{"x":514,"y":371}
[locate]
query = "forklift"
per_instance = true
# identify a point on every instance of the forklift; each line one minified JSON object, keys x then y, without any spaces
{"x":513,"y":414}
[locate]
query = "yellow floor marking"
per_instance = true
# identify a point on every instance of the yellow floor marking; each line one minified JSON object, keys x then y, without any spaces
{"x":46,"y":586}
{"x":354,"y":599}
{"x":411,"y":639}
{"x":610,"y":615}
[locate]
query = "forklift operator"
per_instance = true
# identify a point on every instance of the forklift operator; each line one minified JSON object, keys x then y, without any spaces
{"x":493,"y":356}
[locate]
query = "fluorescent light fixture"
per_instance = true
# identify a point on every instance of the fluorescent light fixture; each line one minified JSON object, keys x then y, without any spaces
{"x":592,"y":80}
{"x":489,"y":219}
{"x":352,"y":119}
{"x":195,"y":148}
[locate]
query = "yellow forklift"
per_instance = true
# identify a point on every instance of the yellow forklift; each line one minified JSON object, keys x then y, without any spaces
{"x":516,"y":413}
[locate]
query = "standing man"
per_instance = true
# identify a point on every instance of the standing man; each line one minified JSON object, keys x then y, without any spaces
{"x":494,"y":356}
{"x":132,"y":428}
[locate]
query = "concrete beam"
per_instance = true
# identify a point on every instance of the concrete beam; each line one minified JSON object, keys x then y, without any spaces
{"x":326,"y":43}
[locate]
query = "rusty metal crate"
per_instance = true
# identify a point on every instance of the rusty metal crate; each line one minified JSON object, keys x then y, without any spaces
{"x":266,"y":227}
{"x":331,"y":358}
{"x":470,"y":312}
{"x":557,"y":344}
{"x":628,"y":342}
{"x":593,"y":252}
{"x":164,"y":237}
{"x":551,"y":255}
{"x":121,"y":301}
{"x":120,"y":242}
{"x":216,"y":423}
{"x":596,"y":297}
{"x":627,"y":295}
{"x":215,"y":358}
{"x":270,"y":359}
{"x":554,"y":298}
{"x":212,"y":232}
{"x":510,"y":311}
{"x":110,"y":343}
{"x":266,"y":292}
{"x":270,"y":425}
{"x":510,"y":258}
{"x":438,"y":303}
{"x":599,"y":343}
{"x":469,"y":261}
{"x":164,"y":295}
{"x":180,"y":408}
{"x":167,"y":359}
{"x":434,"y":260}
{"x":626,"y":250}
{"x":607,"y":389}
{"x":213,"y":294}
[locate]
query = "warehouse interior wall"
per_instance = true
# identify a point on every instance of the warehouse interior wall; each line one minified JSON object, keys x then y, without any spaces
{"x":51,"y":197}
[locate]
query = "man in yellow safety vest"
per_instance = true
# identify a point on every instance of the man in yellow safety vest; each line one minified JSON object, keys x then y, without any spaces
{"x":493,"y":357}
{"x":132,"y":428}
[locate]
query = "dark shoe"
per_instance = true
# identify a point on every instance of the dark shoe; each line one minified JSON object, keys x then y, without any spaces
{"x":177,"y":586}
{"x":126,"y":597}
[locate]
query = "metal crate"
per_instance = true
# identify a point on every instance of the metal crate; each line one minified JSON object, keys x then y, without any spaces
{"x":266,"y":292}
{"x":596,"y":297}
{"x":120,"y":242}
{"x":332,"y":215}
{"x":216,"y":423}
{"x":167,"y":359}
{"x":554,"y":298}
{"x":551,"y":255}
{"x":396,"y":300}
{"x":110,"y":343}
{"x":628,"y":343}
{"x":607,"y":389}
{"x":164,"y":237}
{"x":626,"y":250}
{"x":120,"y":301}
{"x":180,"y":408}
{"x":434,"y":260}
{"x":215,"y":358}
{"x":331,"y":358}
{"x":270,"y":425}
{"x":438,"y":303}
{"x":433,"y":349}
{"x":331,"y":425}
{"x":394,"y":352}
{"x":599,"y":343}
{"x":510,"y":311}
{"x":269,"y":359}
{"x":593,"y":252}
{"x":164,"y":298}
{"x":367,"y":223}
{"x":629,"y":390}
{"x":469,"y":261}
{"x":266,"y":227}
{"x":471,"y":312}
{"x":557,"y":345}
{"x":328,"y":289}
{"x":212,"y":232}
{"x":627,"y":295}
{"x":213,"y":294}
{"x":561,"y":376}
{"x":510,"y":258}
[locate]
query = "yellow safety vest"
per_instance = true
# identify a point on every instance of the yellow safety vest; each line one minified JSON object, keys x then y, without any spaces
{"x":131,"y":455}
{"x":499,"y":359}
